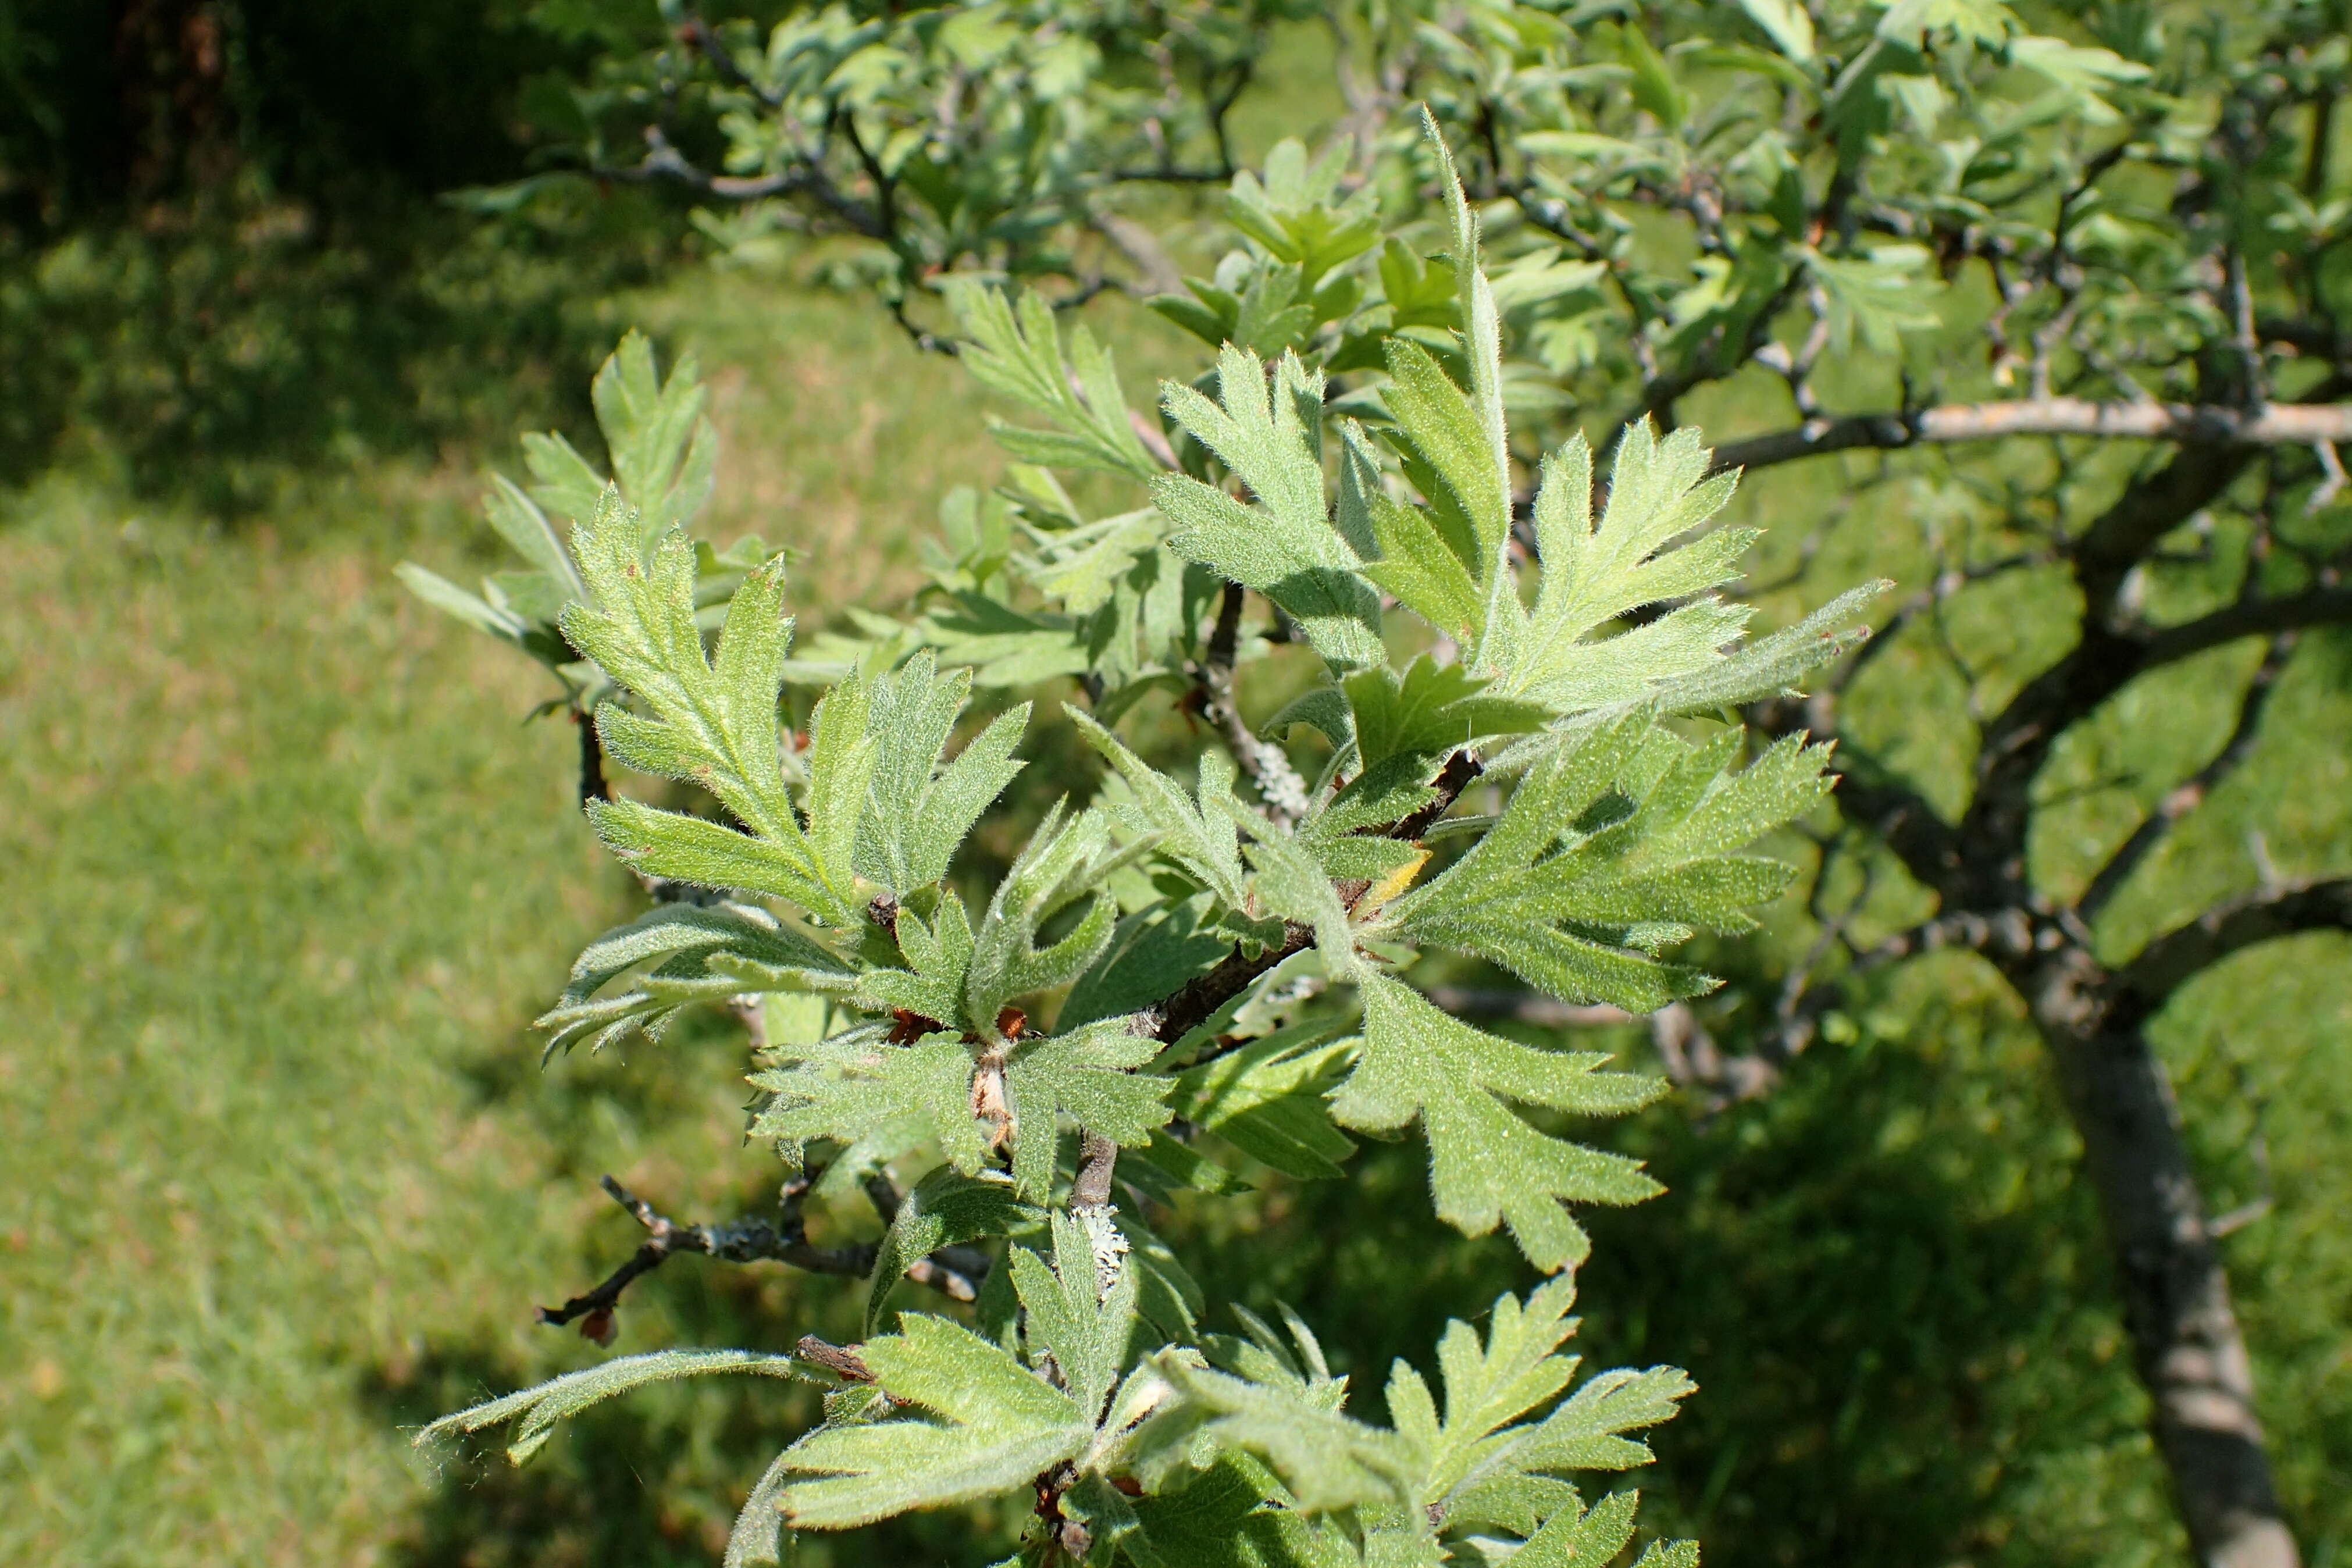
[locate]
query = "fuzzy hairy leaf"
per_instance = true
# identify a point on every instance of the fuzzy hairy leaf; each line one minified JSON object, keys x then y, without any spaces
{"x":1450,"y":442}
{"x":1084,"y":568}
{"x":945,"y":1208}
{"x":758,"y":1539}
{"x":1284,"y":545}
{"x":458,"y":604}
{"x":1580,"y":1538}
{"x":1430,"y":708}
{"x":1018,"y":352}
{"x":1196,"y":833}
{"x":1326,"y":1460}
{"x":1771,"y":666}
{"x":987,"y":1425}
{"x":938,"y":956}
{"x":1587,"y":1431}
{"x":1269,"y":1099}
{"x":531,"y":535}
{"x":1064,"y":864}
{"x":1404,"y":552}
{"x":1224,"y":1517}
{"x":1153,"y":953}
{"x":1088,"y":1075}
{"x":665,"y":453}
{"x":1486,"y":1162}
{"x":1592,"y":575}
{"x":535,"y":1411}
{"x":714,"y":721}
{"x":1488,"y":1453}
{"x":1374,"y":800}
{"x":685,"y":941}
{"x":1293,"y":884}
{"x":1489,"y":1386}
{"x":878,"y":1098}
{"x":1615,"y":846}
{"x":916,"y":810}
{"x":1083,"y":1327}
{"x":1482,"y":345}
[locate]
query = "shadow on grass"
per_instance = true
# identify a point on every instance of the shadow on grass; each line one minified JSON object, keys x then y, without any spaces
{"x":226,"y":358}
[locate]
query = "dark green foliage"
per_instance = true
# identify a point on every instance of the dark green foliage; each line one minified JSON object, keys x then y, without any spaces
{"x":148,"y":100}
{"x":224,"y":253}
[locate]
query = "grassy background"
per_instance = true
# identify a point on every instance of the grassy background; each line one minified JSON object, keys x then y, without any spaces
{"x":279,"y":1176}
{"x":291,"y":879}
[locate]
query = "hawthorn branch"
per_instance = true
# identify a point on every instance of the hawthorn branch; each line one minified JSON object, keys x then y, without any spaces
{"x":1097,"y":1163}
{"x":1283,"y":791}
{"x":2172,"y":960}
{"x":697,"y":35}
{"x":1149,"y":175}
{"x":1191,"y":1004}
{"x":1185,"y":1009}
{"x":958,"y":1272}
{"x":1157,"y":272}
{"x":593,"y":783}
{"x":2316,"y":339}
{"x":2191,"y":792}
{"x":664,"y":164}
{"x":1460,"y":772}
{"x":2011,"y":931}
{"x":2330,"y":605}
{"x":2265,"y":425}
{"x":2017,"y":740}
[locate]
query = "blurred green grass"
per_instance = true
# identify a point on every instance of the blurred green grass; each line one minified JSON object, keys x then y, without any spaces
{"x":290,"y":878}
{"x":281,"y":1179}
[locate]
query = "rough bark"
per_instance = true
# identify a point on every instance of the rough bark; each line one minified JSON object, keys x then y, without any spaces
{"x":2186,"y":1342}
{"x":2187,"y":1348}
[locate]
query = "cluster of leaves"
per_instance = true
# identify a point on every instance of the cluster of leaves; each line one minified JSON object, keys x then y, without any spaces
{"x":1175,"y":933}
{"x":1237,"y":1446}
{"x":2101,"y":197}
{"x":1842,"y":160}
{"x":932,"y":135}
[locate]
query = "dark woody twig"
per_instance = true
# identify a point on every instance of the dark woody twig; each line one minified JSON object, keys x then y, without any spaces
{"x":1283,"y":791}
{"x":956,"y":1271}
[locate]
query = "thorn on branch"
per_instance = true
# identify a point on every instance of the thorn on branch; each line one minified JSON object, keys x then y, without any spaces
{"x":1461,"y":770}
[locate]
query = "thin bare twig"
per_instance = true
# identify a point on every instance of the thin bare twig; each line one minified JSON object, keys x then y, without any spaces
{"x":958,"y":1272}
{"x":1278,"y":782}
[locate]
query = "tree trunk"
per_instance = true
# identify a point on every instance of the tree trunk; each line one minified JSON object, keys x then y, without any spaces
{"x":2185,"y":1337}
